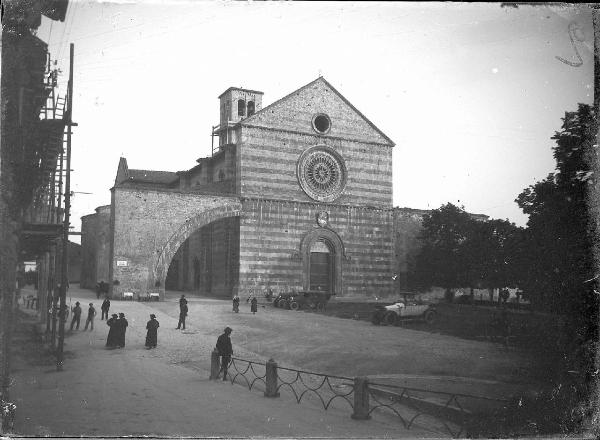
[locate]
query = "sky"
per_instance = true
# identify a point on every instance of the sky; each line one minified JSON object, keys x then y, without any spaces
{"x":470,"y":93}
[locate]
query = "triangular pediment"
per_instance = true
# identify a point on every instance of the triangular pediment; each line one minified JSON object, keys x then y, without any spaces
{"x":296,"y":111}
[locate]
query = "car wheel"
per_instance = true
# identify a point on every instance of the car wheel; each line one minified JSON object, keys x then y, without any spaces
{"x":391,"y":318}
{"x":294,"y":305}
{"x":429,"y":316}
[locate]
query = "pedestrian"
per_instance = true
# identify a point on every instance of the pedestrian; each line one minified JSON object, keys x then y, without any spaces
{"x":152,"y":333}
{"x":183,"y":310}
{"x":253,"y":305}
{"x":76,"y":315}
{"x":182,"y":301}
{"x":225,"y":351}
{"x":111,"y":340}
{"x":236,"y":303}
{"x":90,"y":318}
{"x":105,"y":306}
{"x":121,"y":329}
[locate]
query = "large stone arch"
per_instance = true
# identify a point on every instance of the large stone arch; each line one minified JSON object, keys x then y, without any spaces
{"x":339,"y":256}
{"x":162,"y":260}
{"x":148,"y":226}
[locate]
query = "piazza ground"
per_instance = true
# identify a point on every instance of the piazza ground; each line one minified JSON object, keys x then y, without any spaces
{"x":166,"y":391}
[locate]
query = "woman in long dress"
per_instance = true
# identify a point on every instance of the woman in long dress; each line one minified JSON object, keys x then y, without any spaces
{"x":122,"y":328}
{"x":111,"y":340}
{"x":152,"y":333}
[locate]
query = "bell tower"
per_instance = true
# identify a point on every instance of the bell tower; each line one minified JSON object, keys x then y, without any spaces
{"x":236,"y":104}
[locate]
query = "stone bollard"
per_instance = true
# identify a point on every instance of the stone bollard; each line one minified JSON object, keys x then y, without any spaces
{"x":215,"y":366}
{"x":271,"y":379}
{"x":361,"y":399}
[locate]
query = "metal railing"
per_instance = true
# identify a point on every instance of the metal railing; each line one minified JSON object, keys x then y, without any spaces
{"x":443,"y":406}
{"x":363,"y":397}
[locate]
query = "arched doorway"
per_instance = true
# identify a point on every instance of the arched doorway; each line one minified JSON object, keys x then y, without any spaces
{"x":322,"y":253}
{"x":321,"y":275}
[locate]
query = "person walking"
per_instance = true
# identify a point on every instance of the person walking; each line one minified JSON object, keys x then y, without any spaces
{"x":253,"y":305}
{"x":182,"y":301}
{"x":225,"y":350}
{"x":183,"y":310}
{"x":152,"y":333}
{"x":121,"y":329}
{"x":90,"y":318}
{"x":236,"y":303}
{"x":111,"y":340}
{"x":76,"y":315}
{"x":105,"y":306}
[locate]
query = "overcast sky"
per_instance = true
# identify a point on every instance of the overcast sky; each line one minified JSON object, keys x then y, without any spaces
{"x":470,"y":93}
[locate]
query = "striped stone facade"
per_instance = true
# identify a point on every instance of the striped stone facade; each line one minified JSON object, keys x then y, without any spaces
{"x":297,"y":196}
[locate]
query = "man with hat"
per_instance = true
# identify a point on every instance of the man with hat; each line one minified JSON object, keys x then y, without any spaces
{"x":111,"y":340}
{"x":225,"y":351}
{"x":76,"y":315}
{"x":152,"y":333}
{"x":90,"y":318}
{"x":121,"y":329}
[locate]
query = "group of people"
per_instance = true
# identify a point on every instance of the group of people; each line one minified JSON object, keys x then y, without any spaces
{"x":118,"y":327}
{"x":252,"y":300}
{"x":76,"y":311}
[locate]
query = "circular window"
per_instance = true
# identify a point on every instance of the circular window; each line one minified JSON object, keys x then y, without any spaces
{"x":321,"y":123}
{"x":322,"y":173}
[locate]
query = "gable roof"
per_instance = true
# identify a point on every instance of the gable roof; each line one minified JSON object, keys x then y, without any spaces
{"x":249,"y":120}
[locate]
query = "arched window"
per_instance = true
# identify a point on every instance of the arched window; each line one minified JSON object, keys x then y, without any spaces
{"x":241,"y":107}
{"x":250,"y":108}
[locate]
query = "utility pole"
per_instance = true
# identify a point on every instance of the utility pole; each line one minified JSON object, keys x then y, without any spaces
{"x":66,"y":224}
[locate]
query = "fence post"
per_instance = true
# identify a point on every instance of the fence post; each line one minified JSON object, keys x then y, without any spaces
{"x":271,"y":379}
{"x":361,"y":399}
{"x":215,"y":366}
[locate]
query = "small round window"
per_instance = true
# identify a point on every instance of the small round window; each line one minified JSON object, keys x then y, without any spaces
{"x":321,"y":123}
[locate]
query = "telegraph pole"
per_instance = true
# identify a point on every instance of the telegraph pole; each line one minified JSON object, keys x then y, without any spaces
{"x":65,"y":241}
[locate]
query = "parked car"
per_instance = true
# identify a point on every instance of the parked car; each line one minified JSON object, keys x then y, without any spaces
{"x":395,"y":313}
{"x":311,"y":299}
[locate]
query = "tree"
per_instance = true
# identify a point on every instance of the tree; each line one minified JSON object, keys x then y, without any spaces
{"x":560,"y":230}
{"x":441,"y":261}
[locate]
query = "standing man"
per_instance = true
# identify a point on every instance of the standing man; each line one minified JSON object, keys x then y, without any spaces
{"x":76,"y":315}
{"x":90,"y":318}
{"x":121,"y":329}
{"x":105,"y":306}
{"x":183,"y":310}
{"x":225,"y":351}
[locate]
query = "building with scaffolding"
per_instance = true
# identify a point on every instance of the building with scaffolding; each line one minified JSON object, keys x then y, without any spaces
{"x":295,"y":196}
{"x":33,"y":159}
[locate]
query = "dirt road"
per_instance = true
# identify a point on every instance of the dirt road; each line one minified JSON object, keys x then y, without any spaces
{"x":166,"y":391}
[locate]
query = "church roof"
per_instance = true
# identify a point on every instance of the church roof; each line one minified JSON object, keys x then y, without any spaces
{"x":257,"y":115}
{"x":150,"y":176}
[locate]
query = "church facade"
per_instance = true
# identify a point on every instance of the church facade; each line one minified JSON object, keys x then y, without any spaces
{"x":297,"y":196}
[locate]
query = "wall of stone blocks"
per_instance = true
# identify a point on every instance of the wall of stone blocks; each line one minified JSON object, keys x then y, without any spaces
{"x":271,"y":233}
{"x":95,"y":247}
{"x":268,"y":160}
{"x":148,"y":225}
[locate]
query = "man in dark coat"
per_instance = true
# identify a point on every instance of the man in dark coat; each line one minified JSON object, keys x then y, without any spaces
{"x":152,"y":333}
{"x":76,"y":315}
{"x":183,"y":310}
{"x":105,"y":306}
{"x":253,"y":305}
{"x":121,"y":329}
{"x":225,"y":351}
{"x":111,"y":340}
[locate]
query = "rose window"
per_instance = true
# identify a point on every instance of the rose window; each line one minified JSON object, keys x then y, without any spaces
{"x":322,"y":173}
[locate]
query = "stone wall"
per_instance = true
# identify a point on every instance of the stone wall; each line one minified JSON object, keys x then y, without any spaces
{"x":148,"y":227}
{"x":95,"y":247}
{"x":271,"y":253}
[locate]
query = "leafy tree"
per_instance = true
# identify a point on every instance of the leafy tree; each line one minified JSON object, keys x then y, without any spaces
{"x":441,"y":261}
{"x":560,"y":229}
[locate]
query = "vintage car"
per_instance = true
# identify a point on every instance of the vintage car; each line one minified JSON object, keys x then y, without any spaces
{"x":298,"y":300}
{"x":394,"y":314}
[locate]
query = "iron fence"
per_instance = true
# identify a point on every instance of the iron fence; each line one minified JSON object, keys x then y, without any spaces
{"x":446,"y":407}
{"x":363,"y":397}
